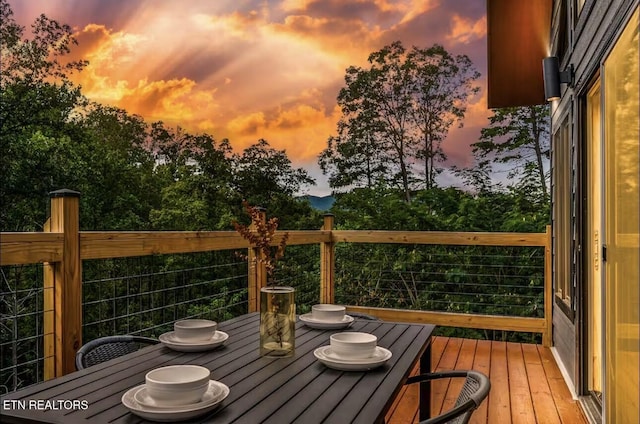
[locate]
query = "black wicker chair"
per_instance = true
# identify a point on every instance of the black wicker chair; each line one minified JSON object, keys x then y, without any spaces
{"x":475,"y":390}
{"x":106,"y":348}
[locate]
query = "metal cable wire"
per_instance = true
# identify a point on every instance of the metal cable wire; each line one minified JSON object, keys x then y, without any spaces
{"x":474,"y":279}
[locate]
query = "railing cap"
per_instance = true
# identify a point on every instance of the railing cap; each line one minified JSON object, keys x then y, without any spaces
{"x":65,"y":192}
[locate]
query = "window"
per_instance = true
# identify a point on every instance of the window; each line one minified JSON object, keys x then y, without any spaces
{"x":562,"y":196}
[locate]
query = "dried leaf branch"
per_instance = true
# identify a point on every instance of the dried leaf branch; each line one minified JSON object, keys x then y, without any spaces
{"x":261,"y":234}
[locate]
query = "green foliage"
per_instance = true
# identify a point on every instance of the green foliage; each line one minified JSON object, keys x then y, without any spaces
{"x":519,"y":136}
{"x":466,"y":279}
{"x":263,"y":173}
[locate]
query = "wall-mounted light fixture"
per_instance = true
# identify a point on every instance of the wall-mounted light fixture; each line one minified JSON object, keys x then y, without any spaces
{"x":553,"y":77}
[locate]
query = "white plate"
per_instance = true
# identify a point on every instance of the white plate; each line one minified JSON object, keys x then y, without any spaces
{"x":309,"y":321}
{"x":144,"y":399}
{"x":176,"y":413}
{"x":324,"y":355}
{"x":171,"y":341}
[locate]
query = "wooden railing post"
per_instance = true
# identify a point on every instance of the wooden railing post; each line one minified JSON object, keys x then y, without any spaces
{"x":257,"y":270}
{"x":63,"y":288}
{"x":547,"y":335}
{"x":327,"y":263}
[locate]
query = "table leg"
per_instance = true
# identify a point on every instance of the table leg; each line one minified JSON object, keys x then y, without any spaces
{"x":425,"y":387}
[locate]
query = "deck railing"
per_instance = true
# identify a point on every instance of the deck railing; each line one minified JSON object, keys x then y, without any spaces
{"x":62,"y":248}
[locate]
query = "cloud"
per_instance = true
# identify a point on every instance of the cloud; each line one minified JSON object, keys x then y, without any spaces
{"x":248,"y":125}
{"x":256,"y":69}
{"x":465,"y":30}
{"x":300,"y":129}
{"x":295,"y":5}
{"x":117,"y":75}
{"x":457,"y":146}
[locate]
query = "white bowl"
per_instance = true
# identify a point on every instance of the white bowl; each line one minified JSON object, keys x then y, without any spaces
{"x":196,"y":330}
{"x":177,"y":384}
{"x":353,"y":344}
{"x":328,"y":312}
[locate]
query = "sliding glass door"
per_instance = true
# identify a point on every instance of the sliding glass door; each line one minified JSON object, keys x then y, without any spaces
{"x":622,"y":228}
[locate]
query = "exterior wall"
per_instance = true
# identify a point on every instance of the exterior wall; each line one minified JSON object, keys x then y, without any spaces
{"x":564,"y":341}
{"x":588,"y":36}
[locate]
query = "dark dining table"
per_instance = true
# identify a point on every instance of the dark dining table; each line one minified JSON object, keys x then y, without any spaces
{"x":298,"y":389}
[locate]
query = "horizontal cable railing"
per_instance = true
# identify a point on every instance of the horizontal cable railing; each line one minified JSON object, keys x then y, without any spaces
{"x":484,"y":280}
{"x":141,"y":282}
{"x":145,"y":295}
{"x":301,"y":270}
{"x":22,"y":330}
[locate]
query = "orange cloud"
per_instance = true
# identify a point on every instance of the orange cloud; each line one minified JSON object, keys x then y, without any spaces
{"x":301,"y":130}
{"x":345,"y":39}
{"x":465,"y":30}
{"x":259,"y":70}
{"x":293,"y":5}
{"x":90,"y":38}
{"x":416,"y":8}
{"x":172,"y":101}
{"x":457,"y":145}
{"x":477,"y":112}
{"x":248,"y":125}
{"x":299,"y":117}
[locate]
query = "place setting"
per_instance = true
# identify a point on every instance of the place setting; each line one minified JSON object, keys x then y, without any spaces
{"x":175,"y":393}
{"x":325,"y":316}
{"x":194,"y":335}
{"x":352,"y":351}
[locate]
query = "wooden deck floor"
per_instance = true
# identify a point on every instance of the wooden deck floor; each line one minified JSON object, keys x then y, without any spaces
{"x":526,"y":384}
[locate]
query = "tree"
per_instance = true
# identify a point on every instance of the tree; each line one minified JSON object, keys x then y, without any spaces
{"x":37,"y":110}
{"x":34,"y":74}
{"x":519,"y":136}
{"x":359,"y":155}
{"x":375,"y":106}
{"x":120,"y":184}
{"x":396,"y":113}
{"x":356,"y":162}
{"x":443,"y":83}
{"x":196,"y":175}
{"x":263,"y":173}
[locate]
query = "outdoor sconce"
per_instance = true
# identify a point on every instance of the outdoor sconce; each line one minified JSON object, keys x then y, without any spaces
{"x":553,"y":77}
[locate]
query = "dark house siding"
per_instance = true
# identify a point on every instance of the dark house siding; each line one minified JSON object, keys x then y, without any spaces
{"x":589,"y":37}
{"x":564,"y":341}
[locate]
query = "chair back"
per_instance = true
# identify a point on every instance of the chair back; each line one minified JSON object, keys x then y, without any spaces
{"x":360,"y":315}
{"x":110,"y":347}
{"x":475,"y":389}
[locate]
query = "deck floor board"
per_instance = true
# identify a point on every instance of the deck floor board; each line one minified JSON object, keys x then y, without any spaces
{"x":526,"y":384}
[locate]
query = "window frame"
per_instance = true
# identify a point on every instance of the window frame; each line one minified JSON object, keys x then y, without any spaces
{"x":563,"y":216}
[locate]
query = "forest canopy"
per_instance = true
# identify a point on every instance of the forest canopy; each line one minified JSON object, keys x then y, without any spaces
{"x":136,"y":175}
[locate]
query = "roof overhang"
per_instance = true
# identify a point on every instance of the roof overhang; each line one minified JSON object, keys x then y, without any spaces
{"x":518,"y":34}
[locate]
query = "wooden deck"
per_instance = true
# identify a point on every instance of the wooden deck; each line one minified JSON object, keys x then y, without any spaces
{"x":526,"y":384}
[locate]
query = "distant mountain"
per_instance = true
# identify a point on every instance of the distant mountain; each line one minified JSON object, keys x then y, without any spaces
{"x":321,"y":203}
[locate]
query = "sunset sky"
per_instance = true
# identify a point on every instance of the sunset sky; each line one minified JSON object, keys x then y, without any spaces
{"x":248,"y":69}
